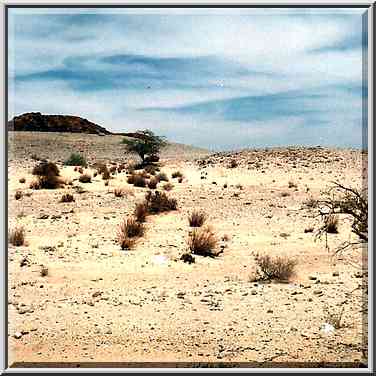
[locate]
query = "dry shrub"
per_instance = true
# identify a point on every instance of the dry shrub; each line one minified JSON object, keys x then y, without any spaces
{"x":202,"y":242}
{"x":119,"y":192}
{"x":106,"y":174}
{"x":137,"y":179}
{"x":197,"y":219}
{"x":22,"y":180}
{"x":128,"y":231}
{"x":158,"y":202}
{"x":177,"y":174}
{"x":274,"y":268}
{"x":233,"y":163}
{"x":168,"y":186}
{"x":162,"y":177}
{"x":106,"y":183}
{"x":311,"y":203}
{"x":17,"y":236}
{"x":85,"y":178}
{"x":48,"y":176}
{"x":152,"y":184}
{"x":140,"y":212}
{"x":35,"y":184}
{"x":113,"y":170}
{"x":67,"y":197}
{"x":285,"y":194}
{"x":43,"y":271}
{"x":331,"y":224}
{"x":180,"y":180}
{"x":292,"y":184}
{"x":46,"y":169}
{"x":188,"y":258}
{"x":151,"y":169}
{"x":18,"y":194}
{"x":80,"y":170}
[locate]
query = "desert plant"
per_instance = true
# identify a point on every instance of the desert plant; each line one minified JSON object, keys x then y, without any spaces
{"x":331,"y":224}
{"x":197,"y":218}
{"x":180,"y":180}
{"x":67,"y":197}
{"x":292,"y":184}
{"x":168,"y":186}
{"x":151,"y":169}
{"x":188,"y":258}
{"x":162,"y":177}
{"x":274,"y":268}
{"x":35,"y":184}
{"x":17,"y":236}
{"x":140,"y":212}
{"x":202,"y":242}
{"x":18,"y":194}
{"x":285,"y":194}
{"x":233,"y":163}
{"x":43,"y":271}
{"x":146,"y":143}
{"x":76,"y":159}
{"x":48,"y":176}
{"x":334,"y":318}
{"x":158,"y":202}
{"x":119,"y":192}
{"x":137,"y":179}
{"x":22,"y":180}
{"x":85,"y":178}
{"x":311,"y":203}
{"x":177,"y":174}
{"x":152,"y":183}
{"x":128,"y":230}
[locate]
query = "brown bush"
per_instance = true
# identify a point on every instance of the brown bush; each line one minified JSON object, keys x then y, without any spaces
{"x":152,"y":184}
{"x":128,"y":230}
{"x":119,"y":192}
{"x":202,"y":242}
{"x":17,"y":236}
{"x":18,"y":194}
{"x":85,"y":178}
{"x":67,"y":197}
{"x":43,"y":271}
{"x":151,"y":169}
{"x":35,"y":184}
{"x":162,"y":177}
{"x":46,"y":169}
{"x":180,"y":180}
{"x":274,"y":268}
{"x":233,"y":163}
{"x":48,"y":176}
{"x":197,"y":219}
{"x":140,"y":212}
{"x":113,"y":170}
{"x":22,"y":180}
{"x":177,"y":174}
{"x":138,"y":180}
{"x":168,"y":186}
{"x":292,"y":184}
{"x":331,"y":224}
{"x":158,"y":202}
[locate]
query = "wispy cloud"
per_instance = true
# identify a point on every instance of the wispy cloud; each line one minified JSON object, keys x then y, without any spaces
{"x":257,"y":78}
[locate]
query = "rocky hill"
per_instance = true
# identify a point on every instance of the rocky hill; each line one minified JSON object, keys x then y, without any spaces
{"x":37,"y":122}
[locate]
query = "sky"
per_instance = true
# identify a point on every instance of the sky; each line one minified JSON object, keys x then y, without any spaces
{"x":221,"y":79}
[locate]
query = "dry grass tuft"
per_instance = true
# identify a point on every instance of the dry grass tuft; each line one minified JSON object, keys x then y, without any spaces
{"x":128,"y":230}
{"x":197,"y":219}
{"x":43,"y":271}
{"x":202,"y":242}
{"x":22,"y":180}
{"x":177,"y":174}
{"x":162,"y":177}
{"x":141,"y":212}
{"x":331,"y":224}
{"x":168,"y":187}
{"x":274,"y":268}
{"x":85,"y":178}
{"x":152,"y":184}
{"x":18,"y":194}
{"x":119,"y":192}
{"x":158,"y":202}
{"x":67,"y":197}
{"x":48,"y":176}
{"x":17,"y":236}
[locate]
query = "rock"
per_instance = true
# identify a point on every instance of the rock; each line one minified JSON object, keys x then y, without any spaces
{"x":254,"y":292}
{"x":335,"y":274}
{"x":318,"y":292}
{"x":17,"y":335}
{"x":312,"y":277}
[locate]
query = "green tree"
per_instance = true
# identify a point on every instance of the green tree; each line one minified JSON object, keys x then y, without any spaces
{"x":145,"y":144}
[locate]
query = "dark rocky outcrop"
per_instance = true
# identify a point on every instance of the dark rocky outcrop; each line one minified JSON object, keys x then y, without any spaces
{"x":37,"y":122}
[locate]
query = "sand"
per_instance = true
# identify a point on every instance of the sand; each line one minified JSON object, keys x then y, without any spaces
{"x":99,"y":303}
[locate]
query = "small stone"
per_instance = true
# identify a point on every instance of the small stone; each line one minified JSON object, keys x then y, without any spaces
{"x":254,"y":292}
{"x":318,"y":292}
{"x":17,"y":335}
{"x":335,"y":274}
{"x":312,"y":278}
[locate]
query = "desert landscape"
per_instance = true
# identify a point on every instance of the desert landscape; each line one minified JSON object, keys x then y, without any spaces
{"x":78,"y":296}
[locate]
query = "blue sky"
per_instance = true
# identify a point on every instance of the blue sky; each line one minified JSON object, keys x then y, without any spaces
{"x":219,"y":79}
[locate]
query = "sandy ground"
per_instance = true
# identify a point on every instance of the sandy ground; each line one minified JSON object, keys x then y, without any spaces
{"x":101,"y":304}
